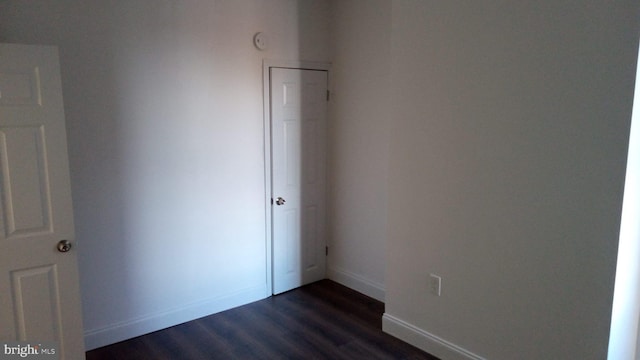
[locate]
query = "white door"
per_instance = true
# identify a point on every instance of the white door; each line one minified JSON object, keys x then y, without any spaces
{"x":39,"y":291}
{"x":298,"y":131}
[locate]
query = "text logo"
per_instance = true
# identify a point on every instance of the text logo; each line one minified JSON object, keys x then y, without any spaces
{"x":31,"y":350}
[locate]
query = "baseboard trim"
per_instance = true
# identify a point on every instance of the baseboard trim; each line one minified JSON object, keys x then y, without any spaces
{"x":424,"y":340}
{"x":143,"y":325}
{"x":357,"y":282}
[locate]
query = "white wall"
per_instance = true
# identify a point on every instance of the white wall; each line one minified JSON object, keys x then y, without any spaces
{"x":359,"y":143}
{"x":625,"y":315}
{"x":508,"y":148}
{"x":164,"y":113}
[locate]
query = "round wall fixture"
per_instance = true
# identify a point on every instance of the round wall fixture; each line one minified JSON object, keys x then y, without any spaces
{"x":260,"y":41}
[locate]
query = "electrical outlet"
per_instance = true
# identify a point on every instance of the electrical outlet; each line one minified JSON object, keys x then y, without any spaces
{"x":435,"y":283}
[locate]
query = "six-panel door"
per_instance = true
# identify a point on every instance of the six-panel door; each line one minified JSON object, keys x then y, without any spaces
{"x":298,"y":126}
{"x":39,"y":291}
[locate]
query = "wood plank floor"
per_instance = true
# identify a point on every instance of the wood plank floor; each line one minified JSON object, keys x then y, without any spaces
{"x":323,"y":320}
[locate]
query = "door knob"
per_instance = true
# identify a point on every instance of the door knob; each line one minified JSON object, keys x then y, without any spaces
{"x":64,"y":245}
{"x":280,"y":201}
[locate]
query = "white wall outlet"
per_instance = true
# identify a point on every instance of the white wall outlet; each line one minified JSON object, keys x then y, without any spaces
{"x":435,"y":283}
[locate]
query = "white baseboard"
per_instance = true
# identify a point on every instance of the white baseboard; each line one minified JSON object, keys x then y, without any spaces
{"x":424,"y":340}
{"x":357,"y":282}
{"x":143,"y":325}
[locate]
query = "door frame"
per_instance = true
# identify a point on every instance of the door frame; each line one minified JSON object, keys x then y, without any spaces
{"x":267,"y":64}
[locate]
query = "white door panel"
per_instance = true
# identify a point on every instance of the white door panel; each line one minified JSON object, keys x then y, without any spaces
{"x":39,"y":291}
{"x":298,"y":116}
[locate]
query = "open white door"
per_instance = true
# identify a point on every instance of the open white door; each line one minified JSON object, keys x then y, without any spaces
{"x":39,"y":291}
{"x":298,"y":142}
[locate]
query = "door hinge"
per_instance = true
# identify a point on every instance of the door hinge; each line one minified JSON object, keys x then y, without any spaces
{"x":328,"y":95}
{"x":326,"y":251}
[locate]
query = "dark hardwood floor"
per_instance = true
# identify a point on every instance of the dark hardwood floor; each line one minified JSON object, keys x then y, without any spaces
{"x":324,"y":320}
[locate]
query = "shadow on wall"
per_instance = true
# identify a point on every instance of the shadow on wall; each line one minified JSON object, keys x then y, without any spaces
{"x":185,"y":133}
